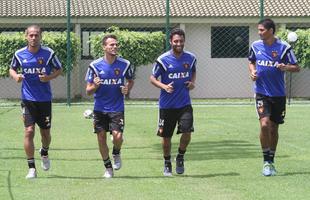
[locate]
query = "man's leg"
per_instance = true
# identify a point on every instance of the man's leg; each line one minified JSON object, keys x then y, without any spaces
{"x":104,"y":151}
{"x":184,"y":142}
{"x":166,"y":145}
{"x":29,"y":150}
{"x":45,"y":140}
{"x":117,"y":145}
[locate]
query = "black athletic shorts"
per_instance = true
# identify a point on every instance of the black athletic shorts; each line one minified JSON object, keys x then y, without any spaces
{"x":273,"y":107}
{"x":112,"y":121}
{"x":37,"y":112}
{"x":168,"y":118}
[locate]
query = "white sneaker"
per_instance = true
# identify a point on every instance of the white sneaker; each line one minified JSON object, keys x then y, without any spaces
{"x":117,"y":162}
{"x":273,"y":170}
{"x":267,"y":169}
{"x":45,"y":163}
{"x":167,"y":169}
{"x":32,"y":173}
{"x":108,"y":173}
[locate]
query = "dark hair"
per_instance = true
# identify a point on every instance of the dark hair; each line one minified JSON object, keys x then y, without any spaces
{"x":104,"y":39}
{"x":268,"y":24}
{"x":35,"y":27}
{"x":177,"y":31}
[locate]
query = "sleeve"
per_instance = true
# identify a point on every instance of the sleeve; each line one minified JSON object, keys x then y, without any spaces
{"x":158,"y":69}
{"x":15,"y":63}
{"x":55,"y":62}
{"x":129,"y":74}
{"x":252,"y":56}
{"x":289,"y":57}
{"x":194,"y":65}
{"x":90,"y":75}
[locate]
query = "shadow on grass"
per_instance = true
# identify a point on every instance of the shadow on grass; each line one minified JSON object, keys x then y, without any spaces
{"x":9,"y":184}
{"x":148,"y":177}
{"x":224,"y":149}
{"x":293,"y":173}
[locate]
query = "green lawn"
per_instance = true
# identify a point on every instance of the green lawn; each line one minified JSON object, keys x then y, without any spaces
{"x":222,"y":162}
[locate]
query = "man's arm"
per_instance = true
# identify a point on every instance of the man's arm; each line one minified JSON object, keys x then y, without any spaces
{"x":54,"y":74}
{"x":168,"y":88}
{"x":288,"y":67}
{"x":253,"y":72}
{"x":17,"y":77}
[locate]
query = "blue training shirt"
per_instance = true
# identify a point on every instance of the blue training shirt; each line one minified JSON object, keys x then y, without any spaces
{"x":32,"y":65}
{"x":177,"y":71}
{"x":108,"y":97}
{"x":270,"y":81}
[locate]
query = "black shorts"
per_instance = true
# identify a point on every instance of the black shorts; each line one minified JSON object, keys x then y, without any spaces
{"x":37,"y":112}
{"x":168,"y":118}
{"x":273,"y":107}
{"x":112,"y":121}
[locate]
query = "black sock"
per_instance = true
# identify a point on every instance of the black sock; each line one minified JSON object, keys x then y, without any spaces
{"x":266,"y":153}
{"x":271,"y":155}
{"x":31,"y":163}
{"x":44,"y":151}
{"x":181,"y":154}
{"x":116,"y":151}
{"x":167,"y":159}
{"x":107,"y":163}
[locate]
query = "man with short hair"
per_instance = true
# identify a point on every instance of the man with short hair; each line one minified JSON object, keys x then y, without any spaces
{"x":269,"y":59}
{"x":177,"y":71}
{"x":38,"y":65}
{"x":109,"y":78}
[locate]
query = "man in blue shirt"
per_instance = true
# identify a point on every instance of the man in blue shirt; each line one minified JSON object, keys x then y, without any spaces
{"x":38,"y":66}
{"x":177,"y":71}
{"x":106,"y":81}
{"x":269,"y":59}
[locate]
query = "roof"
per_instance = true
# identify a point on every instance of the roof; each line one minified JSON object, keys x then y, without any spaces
{"x":153,"y":8}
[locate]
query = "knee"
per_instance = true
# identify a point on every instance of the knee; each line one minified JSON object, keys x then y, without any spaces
{"x":29,"y":132}
{"x":117,"y":137}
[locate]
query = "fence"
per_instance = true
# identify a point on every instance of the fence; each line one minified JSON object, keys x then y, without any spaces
{"x":220,"y":43}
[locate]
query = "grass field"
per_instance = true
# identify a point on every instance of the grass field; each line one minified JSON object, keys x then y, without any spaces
{"x":222,"y":162}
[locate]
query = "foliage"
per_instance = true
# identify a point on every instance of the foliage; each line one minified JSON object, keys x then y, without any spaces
{"x":57,"y":41}
{"x":140,"y":48}
{"x":301,"y":46}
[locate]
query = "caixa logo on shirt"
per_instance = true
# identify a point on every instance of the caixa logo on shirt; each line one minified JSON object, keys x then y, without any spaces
{"x":267,"y":63}
{"x":178,"y":75}
{"x":111,"y":81}
{"x":34,"y":70}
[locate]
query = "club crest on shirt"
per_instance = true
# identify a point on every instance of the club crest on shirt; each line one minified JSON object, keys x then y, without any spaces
{"x":186,"y":65}
{"x":274,"y":54}
{"x":40,"y":60}
{"x":117,"y":71}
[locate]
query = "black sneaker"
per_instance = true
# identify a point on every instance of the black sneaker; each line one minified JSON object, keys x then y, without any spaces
{"x":167,"y":169}
{"x":179,"y":169}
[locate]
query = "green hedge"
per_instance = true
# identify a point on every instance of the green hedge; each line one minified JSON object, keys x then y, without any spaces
{"x":9,"y":43}
{"x":301,"y":46}
{"x":140,"y":48}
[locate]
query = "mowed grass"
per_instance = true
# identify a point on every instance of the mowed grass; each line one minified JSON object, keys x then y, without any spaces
{"x":223,"y":160}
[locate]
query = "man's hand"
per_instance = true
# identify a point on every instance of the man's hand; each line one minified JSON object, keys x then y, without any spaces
{"x":19,"y":77}
{"x":169,"y":88}
{"x":190,"y":85}
{"x":253,"y":75}
{"x":282,"y":67}
{"x":124,"y":89}
{"x":44,"y":78}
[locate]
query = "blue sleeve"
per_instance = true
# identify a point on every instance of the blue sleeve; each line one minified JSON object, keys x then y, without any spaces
{"x":129,"y":74}
{"x":194,"y":66}
{"x":89,"y":77}
{"x":55,"y":62}
{"x":289,"y":57}
{"x":252,"y":56}
{"x":158,"y":70}
{"x":15,"y":64}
